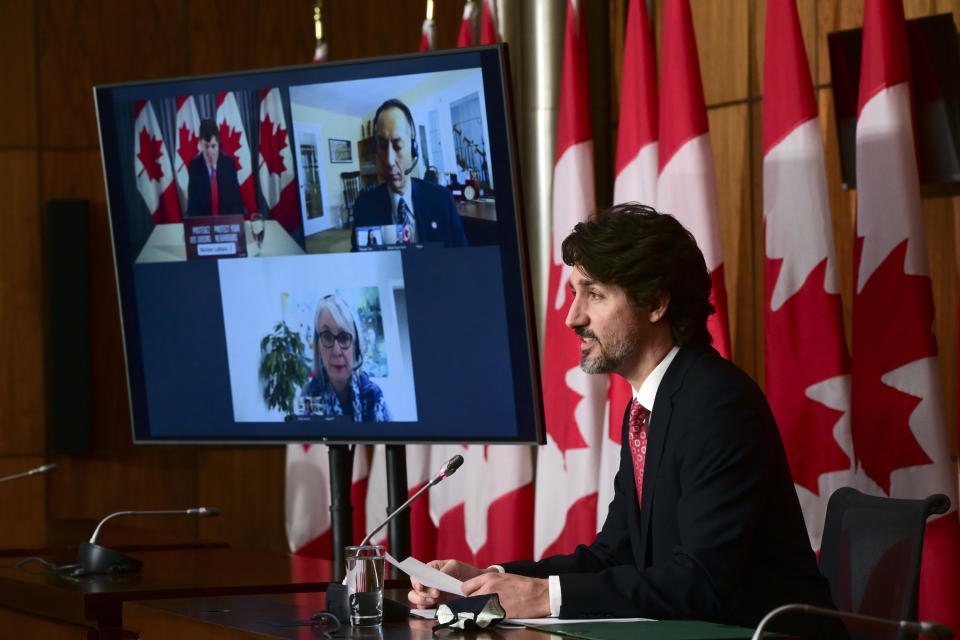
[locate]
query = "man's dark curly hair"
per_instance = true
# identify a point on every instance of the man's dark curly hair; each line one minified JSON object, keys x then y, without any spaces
{"x":647,"y":253}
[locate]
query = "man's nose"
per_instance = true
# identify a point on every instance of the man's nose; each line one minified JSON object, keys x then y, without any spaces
{"x":575,"y":316}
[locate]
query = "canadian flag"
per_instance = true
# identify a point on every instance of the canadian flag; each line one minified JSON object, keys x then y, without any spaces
{"x":423,"y":531}
{"x":492,"y":494}
{"x":277,"y":183}
{"x":574,"y":401}
{"x":428,"y":35}
{"x":465,"y":38}
{"x":151,"y":166}
{"x":320,"y":53}
{"x":307,"y":498}
{"x":489,"y":29}
{"x":188,"y":144}
{"x":494,"y":486}
{"x":899,"y":433}
{"x":233,"y":142}
{"x":808,"y":368}
{"x":636,"y":181}
{"x":687,"y":187}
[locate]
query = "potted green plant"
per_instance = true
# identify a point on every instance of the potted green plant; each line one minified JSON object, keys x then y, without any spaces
{"x":282,"y":368}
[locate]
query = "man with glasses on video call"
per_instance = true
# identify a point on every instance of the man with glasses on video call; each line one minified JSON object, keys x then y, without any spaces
{"x":421,"y":211}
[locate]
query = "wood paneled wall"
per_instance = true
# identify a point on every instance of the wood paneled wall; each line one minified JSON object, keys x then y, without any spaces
{"x":53,"y":51}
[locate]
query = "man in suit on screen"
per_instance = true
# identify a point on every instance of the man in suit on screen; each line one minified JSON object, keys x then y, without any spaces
{"x":213,"y":188}
{"x":422,"y":211}
{"x":705,"y":522}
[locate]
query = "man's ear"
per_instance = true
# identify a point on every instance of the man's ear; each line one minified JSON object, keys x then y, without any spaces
{"x":658,"y":308}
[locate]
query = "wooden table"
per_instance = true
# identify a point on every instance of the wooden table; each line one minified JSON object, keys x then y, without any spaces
{"x":485,"y":209}
{"x":35,"y":603}
{"x":244,"y":618}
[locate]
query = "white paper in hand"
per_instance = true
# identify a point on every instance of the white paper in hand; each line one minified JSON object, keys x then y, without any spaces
{"x":427,"y":575}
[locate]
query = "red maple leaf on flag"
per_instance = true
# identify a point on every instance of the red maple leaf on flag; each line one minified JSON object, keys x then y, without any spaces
{"x":271,"y":144}
{"x":560,"y":401}
{"x":149,"y":155}
{"x":230,"y":142}
{"x":882,"y":439}
{"x":809,"y":357}
{"x":188,"y":144}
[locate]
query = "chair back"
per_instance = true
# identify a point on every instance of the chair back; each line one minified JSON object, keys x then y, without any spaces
{"x":351,"y":187}
{"x":870,"y":554}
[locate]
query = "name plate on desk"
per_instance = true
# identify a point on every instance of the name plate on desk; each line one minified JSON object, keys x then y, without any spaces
{"x":215,"y":237}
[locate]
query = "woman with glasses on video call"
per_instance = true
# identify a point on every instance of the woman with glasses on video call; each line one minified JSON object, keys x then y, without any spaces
{"x":339,"y":385}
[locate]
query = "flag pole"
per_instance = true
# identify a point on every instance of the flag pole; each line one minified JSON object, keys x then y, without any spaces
{"x":320,"y":53}
{"x":542,"y":40}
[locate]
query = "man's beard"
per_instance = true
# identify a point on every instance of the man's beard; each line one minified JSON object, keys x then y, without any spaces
{"x":609,"y":359}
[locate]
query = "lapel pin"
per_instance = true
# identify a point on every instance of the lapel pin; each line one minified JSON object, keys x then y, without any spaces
{"x":433,"y":225}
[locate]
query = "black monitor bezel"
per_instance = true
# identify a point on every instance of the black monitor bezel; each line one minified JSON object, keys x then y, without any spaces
{"x":494,"y":60}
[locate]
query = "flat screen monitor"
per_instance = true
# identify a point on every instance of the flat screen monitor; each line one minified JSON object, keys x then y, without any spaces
{"x":323,"y":253}
{"x":934,"y":90}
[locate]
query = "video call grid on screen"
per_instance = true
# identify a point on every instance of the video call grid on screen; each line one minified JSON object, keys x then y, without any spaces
{"x":432,"y":339}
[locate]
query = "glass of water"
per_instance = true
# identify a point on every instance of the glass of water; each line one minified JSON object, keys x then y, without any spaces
{"x":365,"y":574}
{"x":257,"y":230}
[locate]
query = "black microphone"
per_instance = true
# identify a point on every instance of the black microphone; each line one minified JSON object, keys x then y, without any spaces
{"x":41,"y":469}
{"x":92,"y":558}
{"x":416,"y":158}
{"x":448,"y":470}
{"x":923,"y":629}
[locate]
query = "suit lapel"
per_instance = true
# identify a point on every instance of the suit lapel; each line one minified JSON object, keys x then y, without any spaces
{"x":660,"y":419}
{"x":386,"y":203}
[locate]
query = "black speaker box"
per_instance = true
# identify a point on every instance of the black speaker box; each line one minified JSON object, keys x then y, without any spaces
{"x":68,"y":327}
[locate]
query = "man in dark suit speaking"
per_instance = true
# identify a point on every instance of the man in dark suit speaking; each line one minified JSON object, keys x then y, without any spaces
{"x":213,"y":188}
{"x":705,"y":522}
{"x":422,"y":211}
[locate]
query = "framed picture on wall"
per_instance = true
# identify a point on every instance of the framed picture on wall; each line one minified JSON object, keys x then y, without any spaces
{"x":340,"y":151}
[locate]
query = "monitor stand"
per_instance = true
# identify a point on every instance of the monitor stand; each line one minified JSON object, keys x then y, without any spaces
{"x":341,"y":509}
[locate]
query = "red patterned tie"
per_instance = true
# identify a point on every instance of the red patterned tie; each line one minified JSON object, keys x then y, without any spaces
{"x":214,"y":193}
{"x":637,"y":432}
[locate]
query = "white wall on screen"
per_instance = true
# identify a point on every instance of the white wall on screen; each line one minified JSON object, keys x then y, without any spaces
{"x":335,"y":125}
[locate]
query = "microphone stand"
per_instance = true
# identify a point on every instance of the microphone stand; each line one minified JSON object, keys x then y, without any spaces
{"x":94,"y":558}
{"x":32,"y":472}
{"x":341,"y":509}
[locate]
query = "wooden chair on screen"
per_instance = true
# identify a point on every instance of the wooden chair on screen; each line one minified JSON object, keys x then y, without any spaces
{"x":351,"y":187}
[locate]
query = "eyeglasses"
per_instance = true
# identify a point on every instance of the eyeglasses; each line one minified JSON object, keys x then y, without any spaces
{"x":344,"y":339}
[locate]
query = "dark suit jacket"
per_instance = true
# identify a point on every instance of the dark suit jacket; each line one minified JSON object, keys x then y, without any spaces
{"x":198,"y":189}
{"x":720,"y":536}
{"x":433,"y":207}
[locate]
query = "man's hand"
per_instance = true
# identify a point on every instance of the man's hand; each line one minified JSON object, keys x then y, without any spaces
{"x":426,"y":597}
{"x":520,"y":596}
